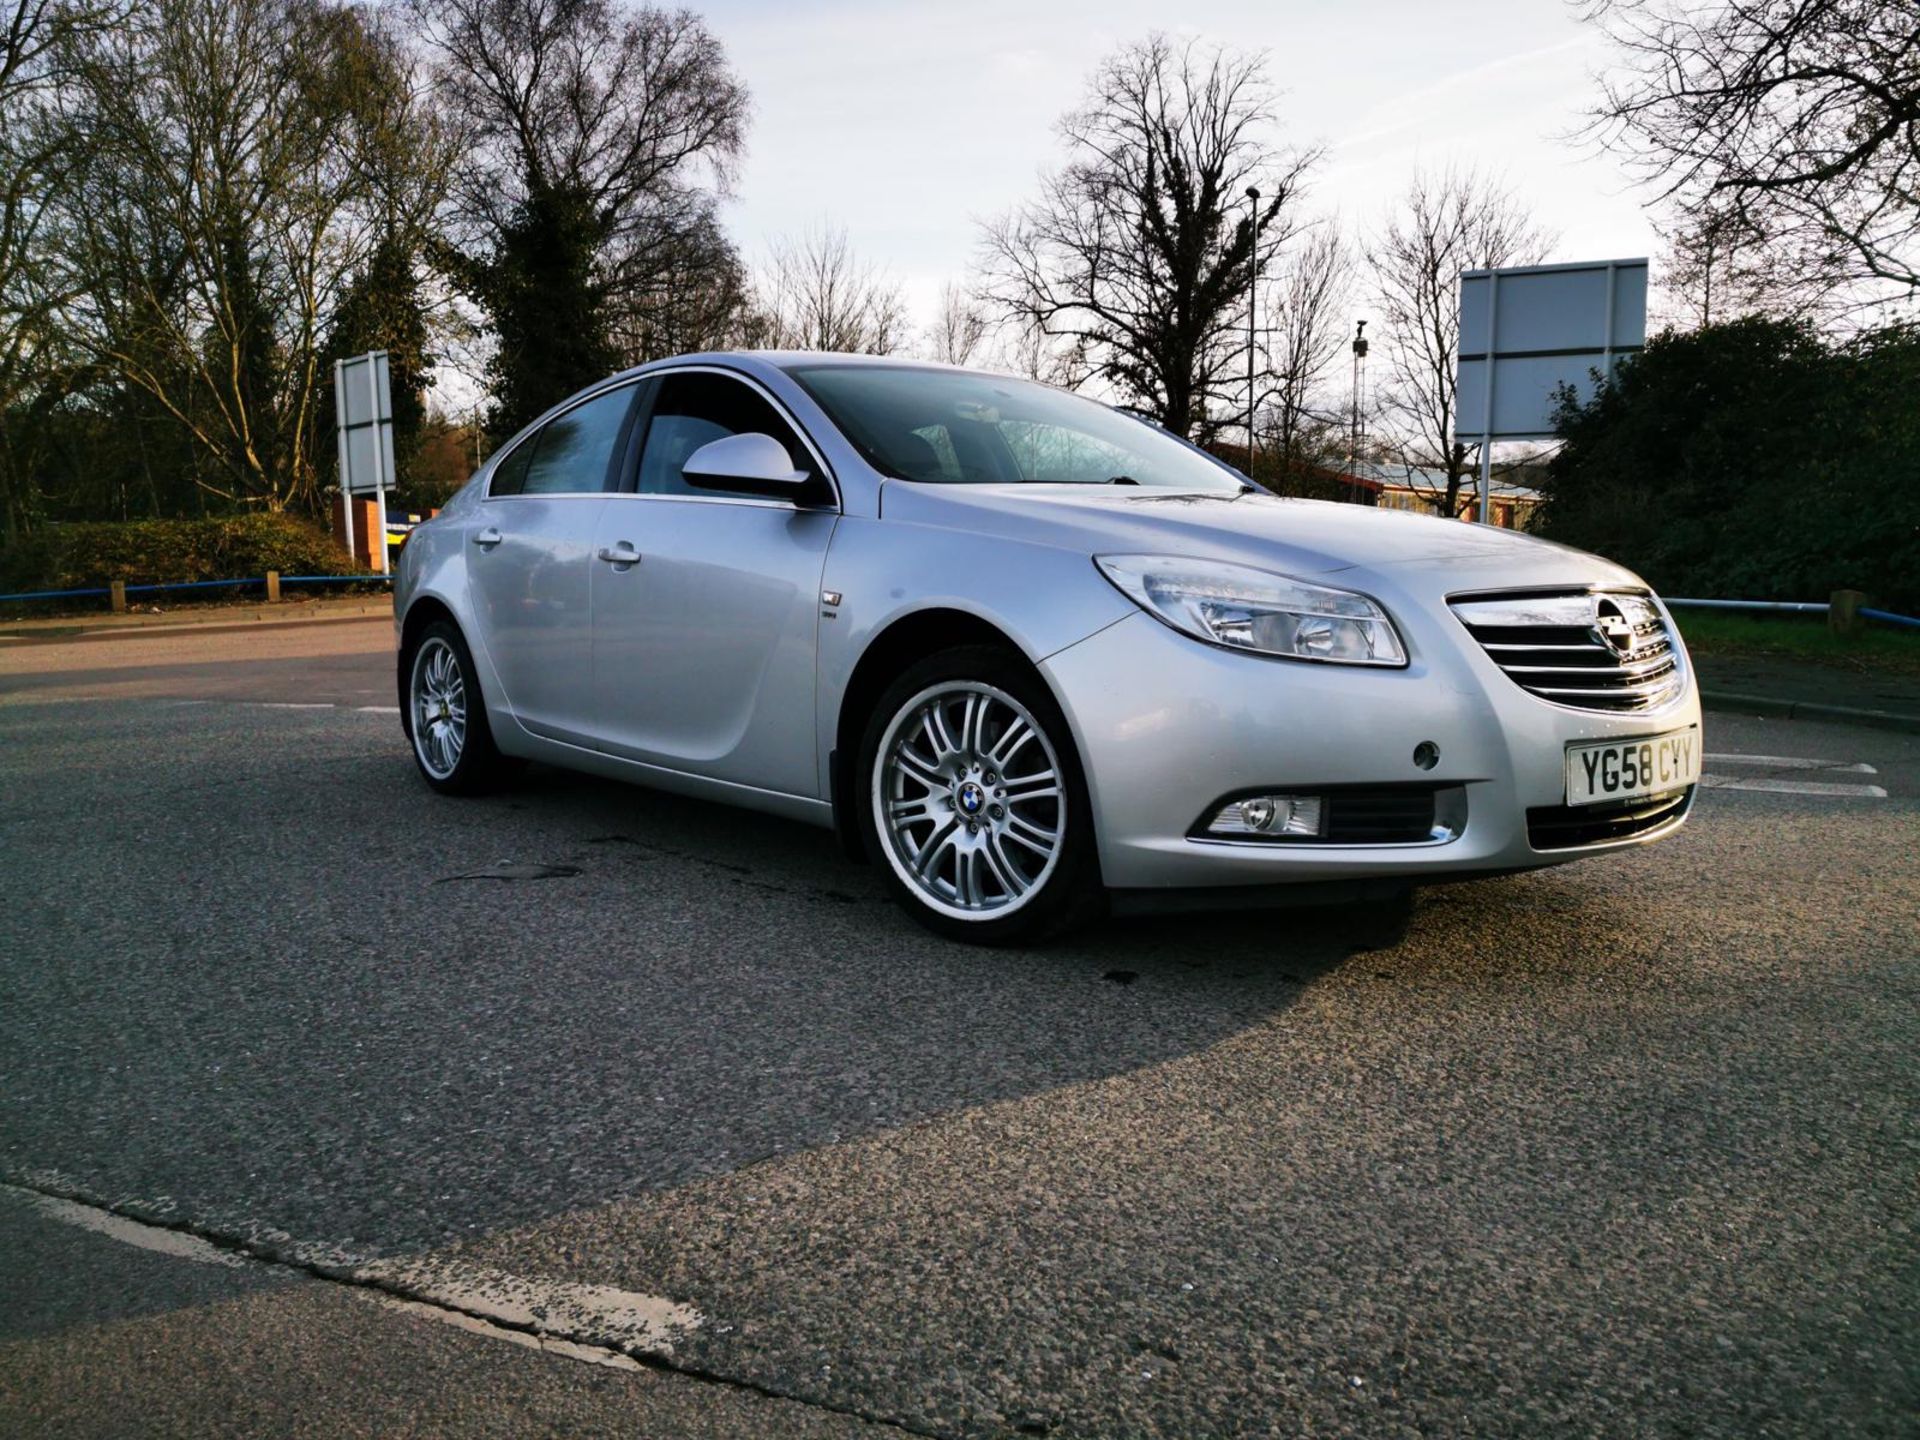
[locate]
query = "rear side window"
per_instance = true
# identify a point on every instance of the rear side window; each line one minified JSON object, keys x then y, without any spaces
{"x":572,"y":453}
{"x":511,"y":473}
{"x":697,"y":407}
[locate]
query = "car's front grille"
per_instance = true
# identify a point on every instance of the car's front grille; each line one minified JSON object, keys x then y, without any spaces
{"x":1567,"y":827}
{"x":1589,"y":649}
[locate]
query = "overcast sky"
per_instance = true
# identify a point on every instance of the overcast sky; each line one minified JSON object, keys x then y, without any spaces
{"x":906,"y":122}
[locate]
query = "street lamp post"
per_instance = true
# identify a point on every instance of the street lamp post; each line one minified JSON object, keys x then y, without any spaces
{"x":1253,"y":283}
{"x":1353,"y":445}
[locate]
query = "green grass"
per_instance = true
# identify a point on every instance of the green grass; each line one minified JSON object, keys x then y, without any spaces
{"x":1874,"y":649}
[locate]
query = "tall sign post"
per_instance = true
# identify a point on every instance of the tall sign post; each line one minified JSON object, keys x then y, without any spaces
{"x":1253,"y":290}
{"x":1359,"y":375}
{"x":363,"y":407}
{"x":1526,"y":331}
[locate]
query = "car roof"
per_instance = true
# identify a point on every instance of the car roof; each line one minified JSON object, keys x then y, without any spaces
{"x":753,"y":360}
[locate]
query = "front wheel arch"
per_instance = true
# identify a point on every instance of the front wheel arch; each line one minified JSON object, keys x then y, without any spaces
{"x":1070,"y":891}
{"x":902,"y":643}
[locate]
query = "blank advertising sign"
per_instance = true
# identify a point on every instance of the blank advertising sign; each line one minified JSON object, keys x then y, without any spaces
{"x":363,"y":399}
{"x":1526,"y":331}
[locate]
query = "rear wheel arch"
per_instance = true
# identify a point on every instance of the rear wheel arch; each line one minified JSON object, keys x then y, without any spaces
{"x":440,"y":686}
{"x":420,"y":614}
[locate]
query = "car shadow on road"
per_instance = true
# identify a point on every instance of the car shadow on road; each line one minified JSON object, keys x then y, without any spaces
{"x":431,"y":1018}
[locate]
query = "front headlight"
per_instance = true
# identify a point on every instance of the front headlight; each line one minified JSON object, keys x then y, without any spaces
{"x":1255,"y":610}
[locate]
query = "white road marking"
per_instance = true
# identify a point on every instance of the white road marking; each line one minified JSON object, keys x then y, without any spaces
{"x":474,"y":1325}
{"x":1792,"y":762}
{"x":1791,"y":787}
{"x":177,"y":1243}
{"x":376,"y":709}
{"x":598,"y":1324}
{"x":293,"y":705}
{"x":623,"y":1317}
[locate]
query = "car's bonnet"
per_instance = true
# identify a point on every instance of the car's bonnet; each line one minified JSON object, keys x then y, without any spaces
{"x":1297,"y":536}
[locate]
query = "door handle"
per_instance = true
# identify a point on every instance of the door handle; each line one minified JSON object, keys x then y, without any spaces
{"x":487,"y":538}
{"x":620,"y":554}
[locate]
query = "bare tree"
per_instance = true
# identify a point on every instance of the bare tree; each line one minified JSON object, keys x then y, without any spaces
{"x":36,"y":160}
{"x":1447,"y":221}
{"x":1796,"y":121}
{"x":818,"y":295}
{"x":958,"y":334}
{"x":697,"y":297}
{"x":1139,"y":249}
{"x":223,"y":198}
{"x":598,"y":136}
{"x":627,"y":105}
{"x":1024,"y":348}
{"x":30,"y":36}
{"x":1717,"y":268}
{"x":1308,"y":311}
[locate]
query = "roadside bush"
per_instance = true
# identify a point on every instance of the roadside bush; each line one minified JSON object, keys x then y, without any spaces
{"x":77,"y":556}
{"x":1752,"y":460}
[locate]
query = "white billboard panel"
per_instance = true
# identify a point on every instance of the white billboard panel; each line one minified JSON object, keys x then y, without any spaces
{"x":363,"y":401}
{"x":363,"y":411}
{"x":1526,"y":331}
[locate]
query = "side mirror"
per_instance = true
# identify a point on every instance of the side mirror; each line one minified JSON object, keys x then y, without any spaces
{"x":750,"y":464}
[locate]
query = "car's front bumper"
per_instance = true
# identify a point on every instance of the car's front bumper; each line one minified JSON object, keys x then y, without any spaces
{"x":1167,"y":726}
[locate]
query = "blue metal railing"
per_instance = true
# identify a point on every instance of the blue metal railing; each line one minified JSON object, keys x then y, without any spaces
{"x":259,"y":581}
{"x":1794,"y":607}
{"x":1806,"y":607}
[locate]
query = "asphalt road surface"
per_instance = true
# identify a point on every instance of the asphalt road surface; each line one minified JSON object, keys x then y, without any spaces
{"x":331,"y":1106}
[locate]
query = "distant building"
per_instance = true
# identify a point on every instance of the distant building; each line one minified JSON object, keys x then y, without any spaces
{"x":1424,"y":489}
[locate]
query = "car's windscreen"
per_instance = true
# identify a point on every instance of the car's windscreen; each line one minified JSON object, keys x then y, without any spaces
{"x":947,"y":427}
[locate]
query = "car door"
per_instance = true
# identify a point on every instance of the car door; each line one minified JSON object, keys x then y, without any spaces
{"x":703,"y":645}
{"x":529,"y":559}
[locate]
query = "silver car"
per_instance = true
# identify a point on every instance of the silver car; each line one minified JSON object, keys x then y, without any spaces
{"x":1032,"y":656}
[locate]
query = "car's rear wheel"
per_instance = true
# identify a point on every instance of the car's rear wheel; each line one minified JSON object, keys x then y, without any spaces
{"x":446,"y":716}
{"x":973,"y":799}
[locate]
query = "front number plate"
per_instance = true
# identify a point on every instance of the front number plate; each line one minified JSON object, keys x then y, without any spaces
{"x":1624,"y":769}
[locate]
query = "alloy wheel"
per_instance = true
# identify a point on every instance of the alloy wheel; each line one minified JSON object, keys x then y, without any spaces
{"x":969,"y":800}
{"x":439,"y":708}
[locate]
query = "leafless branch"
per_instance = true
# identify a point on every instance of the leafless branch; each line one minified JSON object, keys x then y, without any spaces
{"x":1448,"y":221}
{"x":1795,"y":123}
{"x":1139,"y":250}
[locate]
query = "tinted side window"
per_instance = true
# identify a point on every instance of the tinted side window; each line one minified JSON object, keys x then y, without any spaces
{"x":572,"y":453}
{"x":511,"y":473}
{"x":696,"y":408}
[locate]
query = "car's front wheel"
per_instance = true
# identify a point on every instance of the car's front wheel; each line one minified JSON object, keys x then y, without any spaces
{"x":446,"y":716}
{"x":973,"y":799}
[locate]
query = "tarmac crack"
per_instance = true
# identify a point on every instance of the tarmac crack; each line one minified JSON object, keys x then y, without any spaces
{"x":593,"y":1325}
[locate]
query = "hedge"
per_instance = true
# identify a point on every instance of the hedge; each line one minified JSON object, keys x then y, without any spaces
{"x":89,"y":554}
{"x":1754,"y":460}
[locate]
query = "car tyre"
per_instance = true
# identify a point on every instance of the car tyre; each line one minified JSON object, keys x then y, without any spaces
{"x":446,"y":716}
{"x":974,"y":849}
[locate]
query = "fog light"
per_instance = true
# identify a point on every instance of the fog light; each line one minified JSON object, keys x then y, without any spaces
{"x":1269,"y":815}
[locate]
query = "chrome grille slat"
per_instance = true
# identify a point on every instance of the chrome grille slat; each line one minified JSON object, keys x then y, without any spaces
{"x":1631,"y":667}
{"x":1637,"y":692}
{"x":1531,"y":638}
{"x":1535,"y":648}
